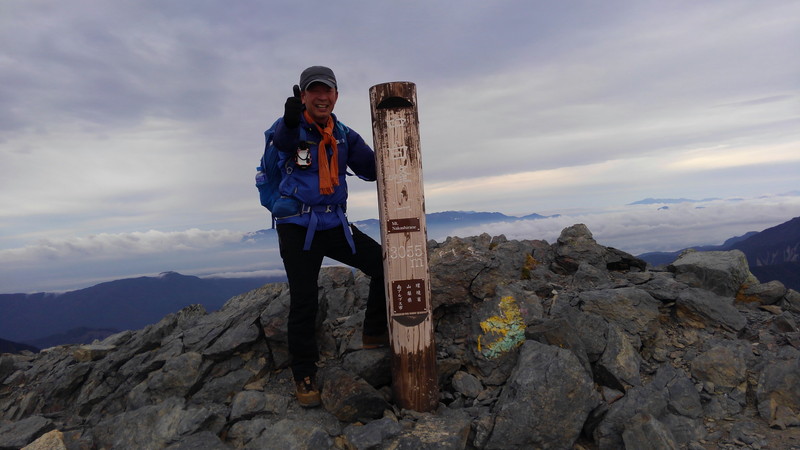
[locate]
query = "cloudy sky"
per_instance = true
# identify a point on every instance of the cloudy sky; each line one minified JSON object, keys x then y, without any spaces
{"x":130,"y":130}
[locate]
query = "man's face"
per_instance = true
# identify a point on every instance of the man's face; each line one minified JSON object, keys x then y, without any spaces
{"x":319,"y":99}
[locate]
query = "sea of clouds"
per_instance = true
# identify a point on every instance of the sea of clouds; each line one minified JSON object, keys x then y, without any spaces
{"x":70,"y":263}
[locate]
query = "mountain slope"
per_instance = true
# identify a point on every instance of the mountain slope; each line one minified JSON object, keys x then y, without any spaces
{"x":777,"y":245}
{"x":122,"y":304}
{"x":773,"y":254}
{"x":15,"y":347}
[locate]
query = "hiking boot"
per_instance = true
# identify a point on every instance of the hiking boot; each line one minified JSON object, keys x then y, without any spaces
{"x":307,"y":392}
{"x":368,"y":341}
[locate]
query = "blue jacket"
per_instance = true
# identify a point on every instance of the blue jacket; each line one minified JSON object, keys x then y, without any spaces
{"x":303,"y":184}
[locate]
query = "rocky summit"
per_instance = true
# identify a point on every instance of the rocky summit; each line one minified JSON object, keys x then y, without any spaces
{"x":570,"y":345}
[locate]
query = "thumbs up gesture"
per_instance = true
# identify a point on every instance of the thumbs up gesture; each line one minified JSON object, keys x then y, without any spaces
{"x":292,"y":109}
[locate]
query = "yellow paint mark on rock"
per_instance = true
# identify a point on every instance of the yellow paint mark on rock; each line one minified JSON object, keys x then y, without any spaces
{"x":504,"y":332}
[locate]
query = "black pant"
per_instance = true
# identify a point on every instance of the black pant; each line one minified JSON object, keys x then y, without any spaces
{"x":302,"y":269}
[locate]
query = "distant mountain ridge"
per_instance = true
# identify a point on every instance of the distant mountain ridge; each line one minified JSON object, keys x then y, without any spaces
{"x":440,"y":224}
{"x":776,"y":245}
{"x":668,"y":201}
{"x":436,"y":223}
{"x":15,"y":347}
{"x":122,"y":304}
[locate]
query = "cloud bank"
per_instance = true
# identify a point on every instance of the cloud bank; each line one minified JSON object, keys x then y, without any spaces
{"x":651,"y":228}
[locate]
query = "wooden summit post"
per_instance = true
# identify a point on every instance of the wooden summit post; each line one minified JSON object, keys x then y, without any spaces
{"x":401,"y":201}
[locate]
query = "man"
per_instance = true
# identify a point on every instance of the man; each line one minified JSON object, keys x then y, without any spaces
{"x":318,"y":149}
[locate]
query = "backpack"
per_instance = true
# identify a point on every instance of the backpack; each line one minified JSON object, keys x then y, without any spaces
{"x":268,"y":175}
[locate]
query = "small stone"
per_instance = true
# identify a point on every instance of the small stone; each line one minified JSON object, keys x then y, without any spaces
{"x":467,"y":384}
{"x":92,"y":352}
{"x":52,"y":440}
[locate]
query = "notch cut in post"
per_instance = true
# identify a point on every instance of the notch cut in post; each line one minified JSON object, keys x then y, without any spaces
{"x":395,"y":102}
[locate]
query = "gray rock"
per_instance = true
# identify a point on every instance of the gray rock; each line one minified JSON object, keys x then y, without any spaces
{"x":474,"y":267}
{"x":123,"y":337}
{"x":560,"y":332}
{"x":247,"y":404}
{"x":151,"y":336}
{"x":593,"y":332}
{"x":7,"y":366}
{"x":644,"y":431}
{"x":372,"y":434}
{"x":70,"y":378}
{"x":705,"y":308}
{"x":576,"y":245}
{"x":203,"y":334}
{"x":337,"y":293}
{"x":664,"y":396}
{"x":22,"y":433}
{"x":507,"y":261}
{"x":747,"y":433}
{"x":448,"y":429}
{"x":632,"y":309}
{"x":722,"y":407}
{"x":778,"y":393}
{"x":233,"y":338}
{"x":467,"y":384}
{"x":590,"y":277}
{"x":684,"y":430}
{"x":723,"y":273}
{"x":350,"y":398}
{"x":766,"y":293}
{"x":222,"y":389}
{"x":274,"y":316}
{"x":175,"y":379}
{"x":457,"y":262}
{"x":52,"y":440}
{"x":204,"y":440}
{"x":639,"y":278}
{"x":784,"y":323}
{"x":791,"y":301}
{"x":619,"y":365}
{"x":91,"y":352}
{"x":288,"y":434}
{"x":551,"y":386}
{"x":617,"y":260}
{"x":242,"y":432}
{"x":373,"y":365}
{"x":723,"y":365}
{"x":682,"y":396}
{"x":664,"y":287}
{"x":155,"y":426}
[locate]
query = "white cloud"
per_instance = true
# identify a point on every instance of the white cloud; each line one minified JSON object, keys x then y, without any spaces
{"x":723,"y":156}
{"x":646,"y":228}
{"x":117,"y":246}
{"x":250,"y":274}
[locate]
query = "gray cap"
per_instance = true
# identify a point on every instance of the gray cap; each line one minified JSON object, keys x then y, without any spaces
{"x":317,"y":74}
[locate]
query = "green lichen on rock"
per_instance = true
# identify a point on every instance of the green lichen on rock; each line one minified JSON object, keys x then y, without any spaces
{"x":502,"y":333}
